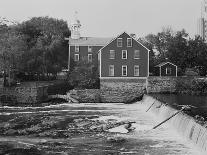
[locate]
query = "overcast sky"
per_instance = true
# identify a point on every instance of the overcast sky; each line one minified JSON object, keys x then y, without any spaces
{"x":106,"y":18}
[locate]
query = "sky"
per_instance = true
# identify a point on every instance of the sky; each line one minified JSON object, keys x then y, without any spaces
{"x":108,"y":18}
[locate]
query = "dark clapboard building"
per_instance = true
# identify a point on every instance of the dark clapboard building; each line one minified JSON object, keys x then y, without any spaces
{"x":166,"y":69}
{"x":123,"y":62}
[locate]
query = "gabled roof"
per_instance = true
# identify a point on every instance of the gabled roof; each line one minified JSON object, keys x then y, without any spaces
{"x":90,"y":41}
{"x":129,"y":36}
{"x":164,"y":63}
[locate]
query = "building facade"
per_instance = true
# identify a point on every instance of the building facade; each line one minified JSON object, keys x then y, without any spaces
{"x":124,"y":57}
{"x":166,"y":69}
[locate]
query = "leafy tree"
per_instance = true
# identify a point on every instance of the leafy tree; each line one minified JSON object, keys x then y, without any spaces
{"x":12,"y":46}
{"x":46,"y":45}
{"x":84,"y":75}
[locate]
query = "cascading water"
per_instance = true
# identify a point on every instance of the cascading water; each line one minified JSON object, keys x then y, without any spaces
{"x":185,"y":125}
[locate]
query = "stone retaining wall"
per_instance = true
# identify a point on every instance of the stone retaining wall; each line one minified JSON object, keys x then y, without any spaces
{"x":86,"y":95}
{"x":158,"y":84}
{"x":23,"y":94}
{"x":120,"y":90}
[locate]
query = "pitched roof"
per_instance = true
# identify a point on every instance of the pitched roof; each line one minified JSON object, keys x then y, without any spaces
{"x":129,"y":36}
{"x":164,"y":63}
{"x":90,"y":41}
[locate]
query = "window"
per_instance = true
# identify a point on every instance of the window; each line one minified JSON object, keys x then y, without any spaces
{"x":124,"y":54}
{"x":111,"y":70}
{"x":90,"y":57}
{"x":119,"y":42}
{"x":124,"y":70}
{"x":168,"y":71}
{"x":136,"y":70}
{"x":129,"y":42}
{"x":136,"y":54}
{"x":76,"y":48}
{"x":76,"y":58}
{"x":89,"y":48}
{"x":111,"y":54}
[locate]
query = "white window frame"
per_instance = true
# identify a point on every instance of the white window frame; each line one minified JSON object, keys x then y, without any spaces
{"x":119,"y":42}
{"x":170,"y":70}
{"x":136,"y":68}
{"x":90,"y":49}
{"x":77,"y":48}
{"x":90,"y":57}
{"x":111,"y":67}
{"x":135,"y":56}
{"x":124,"y":51}
{"x":110,"y":54}
{"x":124,"y":66}
{"x":78,"y":57}
{"x":129,"y":40}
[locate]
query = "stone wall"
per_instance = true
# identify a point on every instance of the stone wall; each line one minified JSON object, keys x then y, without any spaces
{"x":120,"y":90}
{"x":23,"y":94}
{"x":158,"y":84}
{"x":86,"y":95}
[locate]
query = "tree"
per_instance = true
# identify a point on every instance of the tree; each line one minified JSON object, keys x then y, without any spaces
{"x":84,"y":75}
{"x":12,"y":46}
{"x":45,"y":40}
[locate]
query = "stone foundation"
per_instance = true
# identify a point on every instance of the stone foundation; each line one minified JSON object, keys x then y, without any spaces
{"x":158,"y":84}
{"x":86,"y":95}
{"x":23,"y":94}
{"x":120,"y":90}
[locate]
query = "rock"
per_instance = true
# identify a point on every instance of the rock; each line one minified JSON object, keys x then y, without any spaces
{"x":10,"y":132}
{"x":116,"y":139}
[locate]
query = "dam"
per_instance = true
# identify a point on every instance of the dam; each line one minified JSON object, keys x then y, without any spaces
{"x":64,"y":129}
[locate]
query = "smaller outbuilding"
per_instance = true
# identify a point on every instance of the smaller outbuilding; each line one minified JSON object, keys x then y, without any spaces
{"x":166,"y":69}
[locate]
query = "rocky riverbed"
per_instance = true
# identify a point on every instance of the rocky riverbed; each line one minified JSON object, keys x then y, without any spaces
{"x":73,"y":129}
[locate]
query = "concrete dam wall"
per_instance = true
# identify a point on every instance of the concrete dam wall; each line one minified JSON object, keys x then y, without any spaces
{"x":185,"y":125}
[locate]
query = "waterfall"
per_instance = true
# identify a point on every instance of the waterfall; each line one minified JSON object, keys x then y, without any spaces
{"x":185,"y":125}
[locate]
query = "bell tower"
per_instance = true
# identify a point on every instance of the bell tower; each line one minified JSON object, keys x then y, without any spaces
{"x":75,"y":27}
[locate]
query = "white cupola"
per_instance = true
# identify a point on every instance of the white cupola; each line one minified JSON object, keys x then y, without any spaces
{"x":75,"y":27}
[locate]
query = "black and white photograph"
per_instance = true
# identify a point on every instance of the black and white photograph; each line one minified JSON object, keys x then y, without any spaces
{"x":103,"y":77}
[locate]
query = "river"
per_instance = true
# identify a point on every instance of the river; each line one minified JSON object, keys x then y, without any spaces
{"x":25,"y":127}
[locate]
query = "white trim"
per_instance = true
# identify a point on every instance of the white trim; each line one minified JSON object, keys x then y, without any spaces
{"x":123,"y":53}
{"x":75,"y":57}
{"x":119,"y":36}
{"x":123,"y":77}
{"x":118,"y":41}
{"x":69,"y":57}
{"x":91,"y":57}
{"x":100,"y":64}
{"x":90,"y":48}
{"x":148,"y":64}
{"x":176,"y":73}
{"x":166,"y":63}
{"x":138,"y":70}
{"x":134,"y":54}
{"x":110,"y":54}
{"x":72,"y":44}
{"x":78,"y":47}
{"x":123,"y":66}
{"x":110,"y":70}
{"x":166,"y":70}
{"x":128,"y":40}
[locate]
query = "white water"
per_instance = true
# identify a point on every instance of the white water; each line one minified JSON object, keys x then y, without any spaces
{"x":161,"y":141}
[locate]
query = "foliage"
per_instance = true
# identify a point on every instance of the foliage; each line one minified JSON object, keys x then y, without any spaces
{"x":84,"y":75}
{"x":180,"y":49}
{"x":12,"y":47}
{"x":47,"y":48}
